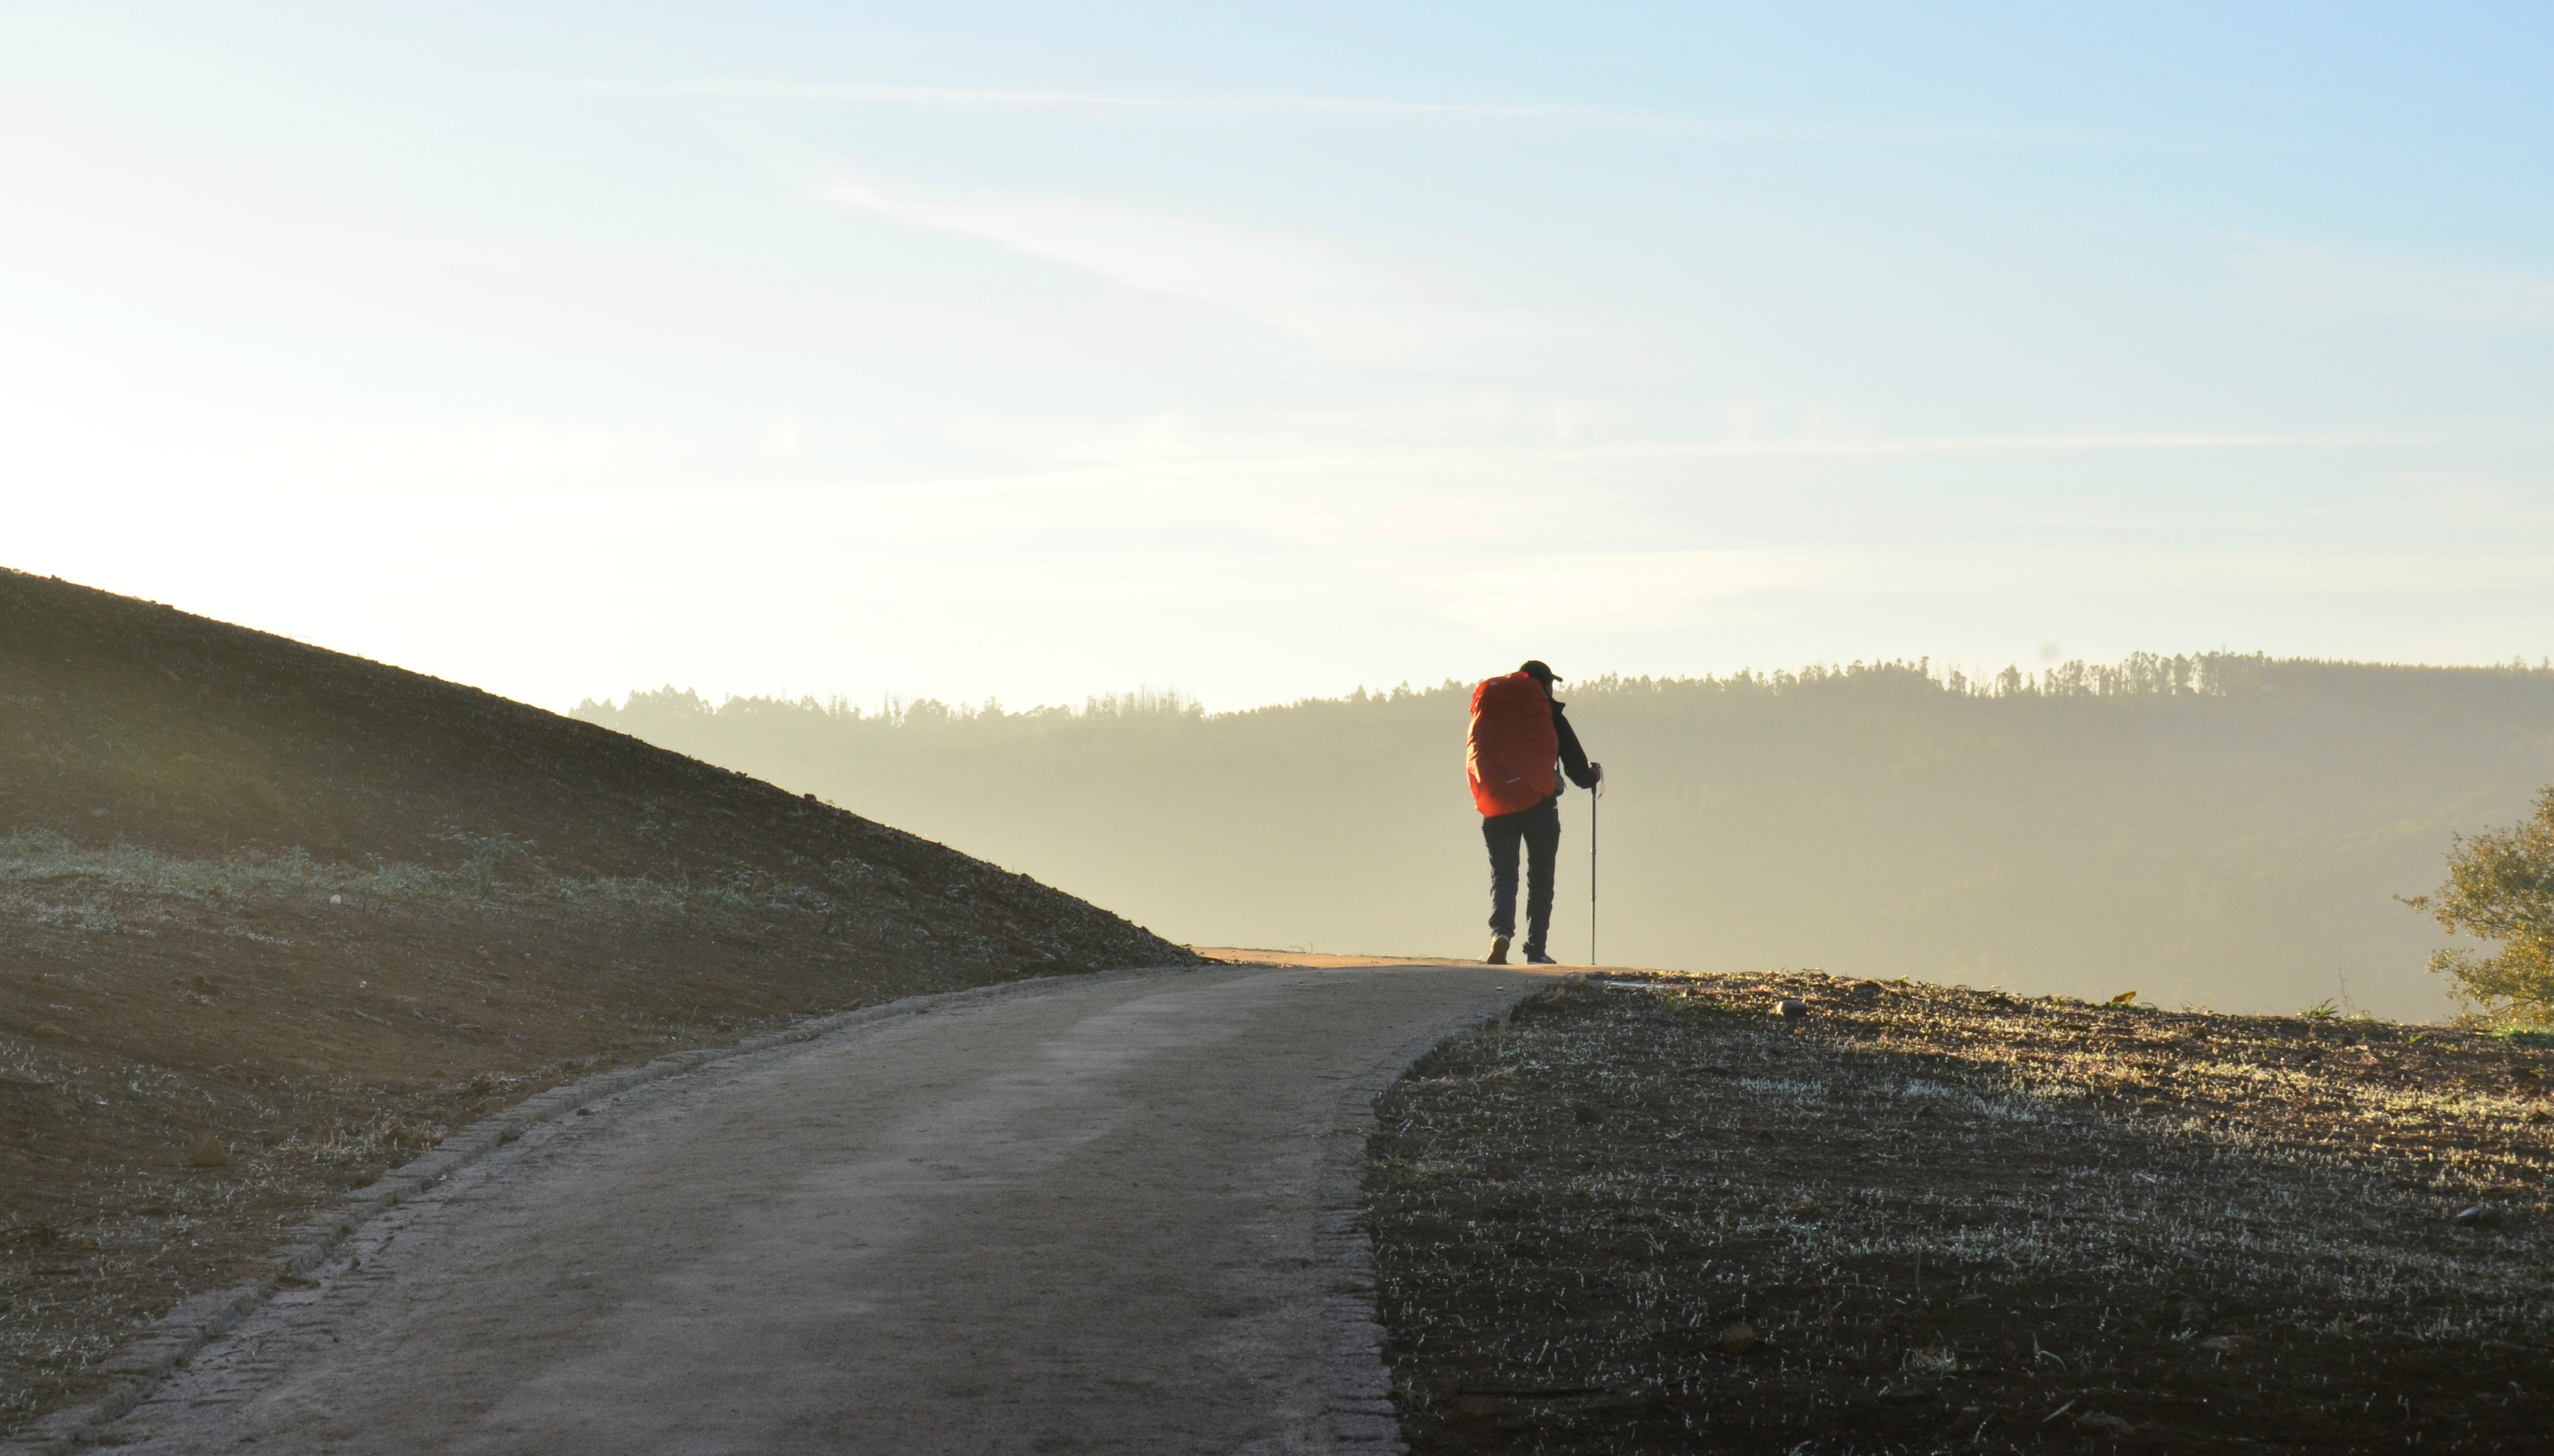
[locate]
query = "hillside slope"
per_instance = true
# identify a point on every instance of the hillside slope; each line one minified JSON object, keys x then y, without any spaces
{"x":274,"y":919}
{"x":130,"y":723}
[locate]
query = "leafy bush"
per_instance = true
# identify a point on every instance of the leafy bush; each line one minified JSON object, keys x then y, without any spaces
{"x":2500,"y":887}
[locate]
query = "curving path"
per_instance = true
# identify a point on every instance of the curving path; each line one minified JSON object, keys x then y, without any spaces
{"x":1082,"y":1215}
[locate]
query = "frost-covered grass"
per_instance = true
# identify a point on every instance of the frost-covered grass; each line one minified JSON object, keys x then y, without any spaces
{"x":1937,"y":1211}
{"x":46,"y":878}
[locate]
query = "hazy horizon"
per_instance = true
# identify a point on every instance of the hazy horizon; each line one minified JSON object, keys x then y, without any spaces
{"x":891,"y":703}
{"x":2213,"y":829}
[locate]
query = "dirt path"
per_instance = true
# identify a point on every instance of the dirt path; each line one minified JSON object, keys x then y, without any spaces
{"x":1074,"y":1216}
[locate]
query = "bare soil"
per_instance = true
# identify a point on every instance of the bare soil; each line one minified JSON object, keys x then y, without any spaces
{"x":1660,"y":1217}
{"x":274,"y":919}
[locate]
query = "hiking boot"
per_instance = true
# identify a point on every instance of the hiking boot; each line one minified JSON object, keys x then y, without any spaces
{"x":1498,"y":950}
{"x":1534,"y":957}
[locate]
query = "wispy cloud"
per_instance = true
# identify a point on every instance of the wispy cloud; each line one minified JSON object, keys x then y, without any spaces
{"x":2329,"y":281}
{"x":1698,"y":128}
{"x":1307,"y":288}
{"x":2089,"y":442}
{"x":1269,"y":450}
{"x":2059,"y":571}
{"x":1612,"y":591}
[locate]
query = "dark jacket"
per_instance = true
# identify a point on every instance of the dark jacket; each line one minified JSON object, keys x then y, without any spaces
{"x":1573,"y":759}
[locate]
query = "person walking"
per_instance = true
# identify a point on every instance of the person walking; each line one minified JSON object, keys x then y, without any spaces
{"x":1518,"y":734}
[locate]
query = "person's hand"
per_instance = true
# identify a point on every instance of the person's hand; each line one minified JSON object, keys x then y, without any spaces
{"x":1595,"y":771}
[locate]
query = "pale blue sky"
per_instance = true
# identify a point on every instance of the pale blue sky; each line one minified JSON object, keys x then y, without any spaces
{"x":976,"y":350}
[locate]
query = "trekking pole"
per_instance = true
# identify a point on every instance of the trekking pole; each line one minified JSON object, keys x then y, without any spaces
{"x":1593,"y":795}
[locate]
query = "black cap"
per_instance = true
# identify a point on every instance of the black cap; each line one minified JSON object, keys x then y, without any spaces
{"x":1540,"y":670}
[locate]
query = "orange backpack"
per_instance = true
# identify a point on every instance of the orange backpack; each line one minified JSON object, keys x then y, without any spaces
{"x":1509,"y":753}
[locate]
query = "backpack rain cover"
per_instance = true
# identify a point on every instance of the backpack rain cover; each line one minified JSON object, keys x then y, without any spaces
{"x":1509,"y":753}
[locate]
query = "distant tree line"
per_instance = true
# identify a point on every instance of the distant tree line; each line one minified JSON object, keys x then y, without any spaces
{"x":2139,"y":675}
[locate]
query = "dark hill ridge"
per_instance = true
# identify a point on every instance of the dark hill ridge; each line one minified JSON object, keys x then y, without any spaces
{"x":274,"y":920}
{"x":129,"y":721}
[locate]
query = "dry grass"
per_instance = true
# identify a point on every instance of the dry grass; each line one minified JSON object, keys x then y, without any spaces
{"x":1950,"y":1220}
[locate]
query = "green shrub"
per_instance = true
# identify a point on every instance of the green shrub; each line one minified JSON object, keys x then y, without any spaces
{"x":2500,"y":887}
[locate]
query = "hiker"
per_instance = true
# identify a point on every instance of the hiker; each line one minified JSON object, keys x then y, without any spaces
{"x":1517,"y":731}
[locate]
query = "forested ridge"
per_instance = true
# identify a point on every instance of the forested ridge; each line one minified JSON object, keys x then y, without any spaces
{"x":2215,"y":829}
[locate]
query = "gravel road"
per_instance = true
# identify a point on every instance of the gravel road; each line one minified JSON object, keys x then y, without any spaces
{"x":1075,"y":1215}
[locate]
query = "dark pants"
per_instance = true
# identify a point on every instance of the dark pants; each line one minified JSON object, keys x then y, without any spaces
{"x":1540,"y":830}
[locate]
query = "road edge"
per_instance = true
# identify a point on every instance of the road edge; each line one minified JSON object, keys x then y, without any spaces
{"x":1358,"y":1415}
